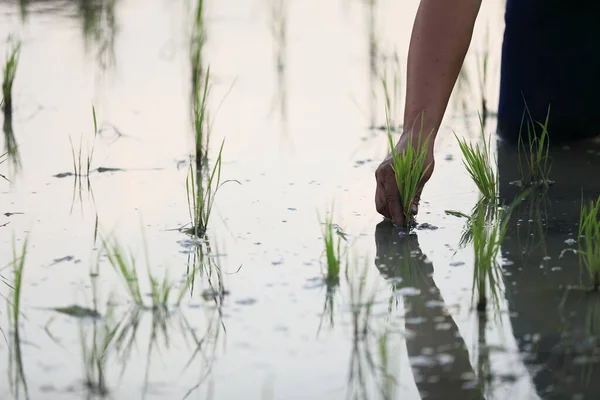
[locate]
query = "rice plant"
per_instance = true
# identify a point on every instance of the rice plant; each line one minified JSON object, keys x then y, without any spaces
{"x":3,"y":158}
{"x":82,"y":163}
{"x":392,"y":93}
{"x":201,"y":121}
{"x":534,"y":160}
{"x":487,"y":239}
{"x":589,"y":240}
{"x":18,"y":381}
{"x":478,"y":161}
{"x":409,"y":168}
{"x":333,"y":255}
{"x":10,"y":71}
{"x":125,"y":266}
{"x":197,"y":41}
{"x":201,"y":192}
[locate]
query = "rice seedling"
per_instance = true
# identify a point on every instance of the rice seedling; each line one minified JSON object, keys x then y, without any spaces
{"x":197,"y":41}
{"x":487,"y":239}
{"x":201,"y":192}
{"x":201,"y":121}
{"x":392,"y":93}
{"x":534,"y":160}
{"x":409,"y":169}
{"x":589,"y":240}
{"x":10,"y":71}
{"x":82,"y":166}
{"x":18,"y":381}
{"x":478,"y":161}
{"x":126,"y":268}
{"x":483,"y":72}
{"x":333,"y":254}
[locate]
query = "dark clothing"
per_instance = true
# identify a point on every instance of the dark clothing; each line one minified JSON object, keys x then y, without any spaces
{"x":551,"y":57}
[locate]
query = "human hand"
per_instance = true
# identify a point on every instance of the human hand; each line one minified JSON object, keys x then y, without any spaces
{"x":387,"y":197}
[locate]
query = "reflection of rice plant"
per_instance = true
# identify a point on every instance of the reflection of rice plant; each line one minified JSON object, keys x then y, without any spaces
{"x":10,"y":71}
{"x":589,"y":240}
{"x":409,"y":169}
{"x":487,"y":239}
{"x":125,"y":266}
{"x":17,"y":372}
{"x":3,"y":158}
{"x":534,"y":159}
{"x":478,"y":162}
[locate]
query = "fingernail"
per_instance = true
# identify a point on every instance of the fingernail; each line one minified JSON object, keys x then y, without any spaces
{"x":414,"y":209}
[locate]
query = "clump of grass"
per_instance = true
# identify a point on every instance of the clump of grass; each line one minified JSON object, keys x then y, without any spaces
{"x":17,"y":380}
{"x":478,"y":161}
{"x":487,"y":239}
{"x":201,"y":192}
{"x":589,"y":240}
{"x":125,"y":266}
{"x":201,"y":123}
{"x":409,"y":168}
{"x":10,"y":72}
{"x":534,"y":159}
{"x":83,"y":166}
{"x":332,"y":241}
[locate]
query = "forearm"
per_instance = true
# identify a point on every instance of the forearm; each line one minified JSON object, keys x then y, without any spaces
{"x":440,"y":39}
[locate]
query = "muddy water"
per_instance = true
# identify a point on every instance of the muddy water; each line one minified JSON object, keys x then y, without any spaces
{"x":296,"y":113}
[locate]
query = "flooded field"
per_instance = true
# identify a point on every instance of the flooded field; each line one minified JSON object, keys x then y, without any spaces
{"x":171,"y":169}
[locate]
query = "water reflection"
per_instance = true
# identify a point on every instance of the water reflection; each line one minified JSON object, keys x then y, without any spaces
{"x":437,"y":352}
{"x":551,"y":314}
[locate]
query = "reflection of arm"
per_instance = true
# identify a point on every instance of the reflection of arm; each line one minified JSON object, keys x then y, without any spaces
{"x":440,"y":39}
{"x":446,"y":373}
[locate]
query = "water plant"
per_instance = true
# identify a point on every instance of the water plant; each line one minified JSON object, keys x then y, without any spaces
{"x":125,"y":266}
{"x":82,"y":164}
{"x":10,"y":71}
{"x":197,"y":41}
{"x":333,"y":255}
{"x":589,"y":240}
{"x":533,"y":151}
{"x":409,"y":168}
{"x":487,"y":239}
{"x":478,"y":162}
{"x":201,"y":123}
{"x":17,"y":372}
{"x":201,"y":192}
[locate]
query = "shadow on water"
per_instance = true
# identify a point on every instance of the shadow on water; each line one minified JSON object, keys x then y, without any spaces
{"x":553,"y":312}
{"x":437,"y":352}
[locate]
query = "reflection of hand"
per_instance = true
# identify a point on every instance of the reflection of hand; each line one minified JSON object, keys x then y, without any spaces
{"x":399,"y":256}
{"x":387,"y":197}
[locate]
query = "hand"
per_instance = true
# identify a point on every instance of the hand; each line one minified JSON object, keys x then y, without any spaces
{"x":387,"y":197}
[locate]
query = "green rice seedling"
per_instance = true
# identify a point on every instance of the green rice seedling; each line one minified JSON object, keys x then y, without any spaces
{"x":18,"y":381}
{"x":478,"y":161}
{"x":392,"y":93}
{"x":482,"y":70}
{"x":10,"y":71}
{"x":201,"y":192}
{"x":125,"y":266}
{"x":333,"y":254}
{"x":589,"y":240}
{"x":201,"y":122}
{"x":534,"y":160}
{"x":409,"y":169}
{"x":487,"y":239}
{"x":197,"y":41}
{"x":82,"y":165}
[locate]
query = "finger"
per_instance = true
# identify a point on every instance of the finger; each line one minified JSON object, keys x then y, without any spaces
{"x":392,"y":197}
{"x":381,"y":203}
{"x":414,"y":210}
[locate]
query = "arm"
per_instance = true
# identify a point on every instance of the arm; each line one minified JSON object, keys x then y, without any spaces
{"x":440,"y":39}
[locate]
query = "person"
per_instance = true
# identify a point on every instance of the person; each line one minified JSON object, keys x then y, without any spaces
{"x":550,"y":61}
